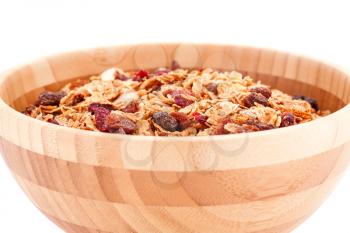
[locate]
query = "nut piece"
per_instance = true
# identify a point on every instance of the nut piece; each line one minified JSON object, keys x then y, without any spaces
{"x":49,"y":98}
{"x":164,"y":120}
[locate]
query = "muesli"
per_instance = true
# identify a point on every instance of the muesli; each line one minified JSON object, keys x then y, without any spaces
{"x":172,"y":102}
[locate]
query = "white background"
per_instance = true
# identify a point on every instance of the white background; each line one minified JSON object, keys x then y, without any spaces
{"x":30,"y":29}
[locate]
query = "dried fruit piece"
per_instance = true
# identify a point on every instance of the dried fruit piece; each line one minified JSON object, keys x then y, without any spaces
{"x":253,"y":97}
{"x":262,"y":90}
{"x":49,"y":98}
{"x":164,"y":120}
{"x":140,"y":75}
{"x":132,"y":107}
{"x":118,"y":124}
{"x":182,"y":101}
{"x":311,"y":101}
{"x":101,"y":112}
{"x":288,"y":119}
{"x":200,"y":118}
{"x":78,"y":98}
{"x":220,"y":129}
{"x":182,"y":120}
{"x":212,"y":87}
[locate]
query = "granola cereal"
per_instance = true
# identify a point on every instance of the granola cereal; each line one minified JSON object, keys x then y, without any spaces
{"x":172,"y":102}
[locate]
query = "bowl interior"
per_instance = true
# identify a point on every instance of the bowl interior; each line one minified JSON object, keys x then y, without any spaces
{"x":289,"y":73}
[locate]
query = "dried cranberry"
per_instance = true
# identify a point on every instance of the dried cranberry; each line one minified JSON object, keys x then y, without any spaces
{"x":182,"y":120}
{"x":181,"y":101}
{"x":253,"y":97}
{"x":164,"y":120}
{"x":132,"y":107}
{"x":311,"y":101}
{"x":95,"y":106}
{"x":118,"y":124}
{"x":212,"y":87}
{"x":175,"y":65}
{"x":199,"y":117}
{"x":140,"y":75}
{"x":288,"y":119}
{"x":49,"y":98}
{"x":262,"y":90}
{"x":101,"y":112}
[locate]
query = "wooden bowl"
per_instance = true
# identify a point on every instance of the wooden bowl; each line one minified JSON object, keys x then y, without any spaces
{"x":264,"y":182}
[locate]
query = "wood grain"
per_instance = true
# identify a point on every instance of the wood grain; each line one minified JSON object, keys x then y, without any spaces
{"x":264,"y":182}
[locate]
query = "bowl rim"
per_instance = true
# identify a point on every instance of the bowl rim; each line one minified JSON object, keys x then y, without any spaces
{"x":4,"y":107}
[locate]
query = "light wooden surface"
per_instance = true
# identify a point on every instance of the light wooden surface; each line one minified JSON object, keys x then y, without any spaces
{"x":264,"y":182}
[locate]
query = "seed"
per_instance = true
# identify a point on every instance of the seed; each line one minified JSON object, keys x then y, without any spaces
{"x":164,"y":120}
{"x":118,"y":124}
{"x":252,"y":98}
{"x":311,"y":101}
{"x":49,"y":98}
{"x":182,"y":120}
{"x":212,"y":87}
{"x":288,"y":119}
{"x":262,"y":90}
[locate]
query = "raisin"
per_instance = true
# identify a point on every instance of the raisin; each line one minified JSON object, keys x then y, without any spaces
{"x":140,"y":75}
{"x":49,"y":98}
{"x":212,"y":87}
{"x":78,"y":98}
{"x":200,"y":118}
{"x":118,"y":124}
{"x":262,"y":90}
{"x":101,"y":112}
{"x":132,"y":107}
{"x":181,"y":101}
{"x":288,"y":119}
{"x":182,"y":120}
{"x":120,"y":76}
{"x":164,"y":120}
{"x":311,"y":101}
{"x":252,"y":98}
{"x":175,"y":65}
